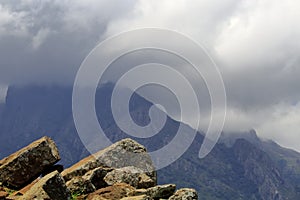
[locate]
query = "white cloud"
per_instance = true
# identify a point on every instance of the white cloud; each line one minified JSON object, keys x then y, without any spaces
{"x":40,"y":37}
{"x":282,"y":125}
{"x":3,"y":92}
{"x":199,"y":19}
{"x":5,"y":16}
{"x":11,"y":22}
{"x":261,"y":34}
{"x":255,"y":43}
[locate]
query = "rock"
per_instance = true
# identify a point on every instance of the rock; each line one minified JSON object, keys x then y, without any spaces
{"x":157,"y":192}
{"x":117,"y":191}
{"x":80,"y":168}
{"x":161,"y":191}
{"x":260,"y":169}
{"x":80,"y":185}
{"x":80,"y":197}
{"x":185,"y":194}
{"x":3,"y":194}
{"x":145,"y":181}
{"x":98,"y":198}
{"x":107,"y":175}
{"x":126,"y":152}
{"x":97,"y":175}
{"x":138,"y":192}
{"x":130,"y":175}
{"x":141,"y":197}
{"x":28,"y":163}
{"x":27,"y":187}
{"x":51,"y":186}
{"x":13,"y":196}
{"x":89,"y":182}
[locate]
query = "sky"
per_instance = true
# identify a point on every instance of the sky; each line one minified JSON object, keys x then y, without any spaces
{"x":255,"y":44}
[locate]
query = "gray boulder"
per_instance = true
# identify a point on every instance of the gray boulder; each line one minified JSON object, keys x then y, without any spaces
{"x":126,"y":152}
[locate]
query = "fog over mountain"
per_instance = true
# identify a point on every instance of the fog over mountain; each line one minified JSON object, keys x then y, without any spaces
{"x":254,"y":43}
{"x":3,"y":93}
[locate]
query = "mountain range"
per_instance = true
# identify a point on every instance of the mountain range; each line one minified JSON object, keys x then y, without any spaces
{"x":241,"y":165}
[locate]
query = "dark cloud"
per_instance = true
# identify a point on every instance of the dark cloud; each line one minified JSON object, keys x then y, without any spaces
{"x":45,"y":42}
{"x":255,"y":44}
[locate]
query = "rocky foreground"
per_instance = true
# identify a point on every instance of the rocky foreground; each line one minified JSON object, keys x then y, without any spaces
{"x":122,"y":171}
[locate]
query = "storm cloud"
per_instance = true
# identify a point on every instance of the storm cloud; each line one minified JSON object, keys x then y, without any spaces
{"x":255,"y":43}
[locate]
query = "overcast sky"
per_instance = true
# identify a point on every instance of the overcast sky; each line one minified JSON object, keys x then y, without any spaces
{"x":255,"y":43}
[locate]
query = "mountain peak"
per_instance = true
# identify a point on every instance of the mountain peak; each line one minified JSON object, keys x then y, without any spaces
{"x":229,"y":138}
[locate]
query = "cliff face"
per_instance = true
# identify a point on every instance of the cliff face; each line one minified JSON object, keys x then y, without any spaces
{"x":259,"y":168}
{"x":123,"y":170}
{"x":246,"y":168}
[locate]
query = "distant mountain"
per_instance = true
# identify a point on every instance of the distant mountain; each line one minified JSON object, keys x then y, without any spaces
{"x":241,"y":166}
{"x":2,"y":105}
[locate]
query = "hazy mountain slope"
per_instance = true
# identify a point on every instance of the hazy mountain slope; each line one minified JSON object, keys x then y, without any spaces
{"x":32,"y":112}
{"x":245,"y":169}
{"x":286,"y":160}
{"x":2,"y":105}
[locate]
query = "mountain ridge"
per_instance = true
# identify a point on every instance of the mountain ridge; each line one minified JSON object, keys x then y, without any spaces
{"x":31,"y":112}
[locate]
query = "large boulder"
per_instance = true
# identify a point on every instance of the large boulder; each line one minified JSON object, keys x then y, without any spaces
{"x":126,"y":152}
{"x":130,"y":175}
{"x":51,"y":186}
{"x":28,"y":163}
